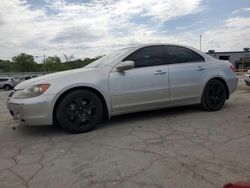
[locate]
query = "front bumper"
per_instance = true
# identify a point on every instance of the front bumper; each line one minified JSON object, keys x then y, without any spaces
{"x":32,"y":111}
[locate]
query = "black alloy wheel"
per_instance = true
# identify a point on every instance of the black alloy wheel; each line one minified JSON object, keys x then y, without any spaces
{"x":214,"y":96}
{"x":80,"y":111}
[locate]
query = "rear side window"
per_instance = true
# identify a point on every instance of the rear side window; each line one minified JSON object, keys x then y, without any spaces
{"x":147,"y":56}
{"x":3,"y":79}
{"x":177,"y":54}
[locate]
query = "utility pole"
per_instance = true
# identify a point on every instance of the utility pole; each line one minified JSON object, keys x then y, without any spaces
{"x":44,"y":58}
{"x":200,"y":40}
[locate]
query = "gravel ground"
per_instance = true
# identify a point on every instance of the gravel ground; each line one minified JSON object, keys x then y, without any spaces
{"x":177,"y":147}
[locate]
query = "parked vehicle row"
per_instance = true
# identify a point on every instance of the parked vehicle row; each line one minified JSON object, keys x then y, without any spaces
{"x":134,"y":79}
{"x":9,"y":83}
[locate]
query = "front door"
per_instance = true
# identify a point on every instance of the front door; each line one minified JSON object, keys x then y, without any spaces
{"x":145,"y":86}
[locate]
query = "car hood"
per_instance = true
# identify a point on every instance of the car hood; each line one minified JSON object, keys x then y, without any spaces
{"x":47,"y":78}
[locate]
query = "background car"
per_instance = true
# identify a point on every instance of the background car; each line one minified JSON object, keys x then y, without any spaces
{"x":247,"y":78}
{"x":23,"y":78}
{"x":7,"y":83}
{"x":133,"y":79}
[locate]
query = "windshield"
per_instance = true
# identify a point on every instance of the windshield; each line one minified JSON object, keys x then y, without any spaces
{"x":108,"y":58}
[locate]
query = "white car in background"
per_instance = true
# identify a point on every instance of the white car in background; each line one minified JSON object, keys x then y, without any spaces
{"x":247,"y":78}
{"x":140,"y":78}
{"x":7,"y":83}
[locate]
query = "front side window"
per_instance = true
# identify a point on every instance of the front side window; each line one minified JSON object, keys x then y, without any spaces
{"x":177,"y":54}
{"x":147,"y":56}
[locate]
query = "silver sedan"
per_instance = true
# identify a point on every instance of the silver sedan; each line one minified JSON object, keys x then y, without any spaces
{"x":133,"y":79}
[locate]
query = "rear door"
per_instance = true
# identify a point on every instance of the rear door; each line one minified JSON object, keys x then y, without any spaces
{"x":145,"y":86}
{"x":187,"y":73}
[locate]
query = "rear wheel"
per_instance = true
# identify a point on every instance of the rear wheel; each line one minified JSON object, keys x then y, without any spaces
{"x":214,"y":96}
{"x":79,"y":111}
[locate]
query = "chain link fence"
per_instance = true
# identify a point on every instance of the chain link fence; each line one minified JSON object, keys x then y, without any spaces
{"x":22,"y":74}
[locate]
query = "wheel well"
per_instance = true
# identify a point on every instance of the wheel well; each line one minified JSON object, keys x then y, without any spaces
{"x":105,"y":107}
{"x":225,"y":84}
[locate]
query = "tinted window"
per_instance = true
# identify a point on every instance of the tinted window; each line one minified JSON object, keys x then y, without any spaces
{"x":148,"y":56}
{"x":177,"y":54}
{"x":3,"y":80}
{"x":224,"y":57}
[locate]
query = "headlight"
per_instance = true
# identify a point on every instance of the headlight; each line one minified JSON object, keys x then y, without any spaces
{"x":33,"y":91}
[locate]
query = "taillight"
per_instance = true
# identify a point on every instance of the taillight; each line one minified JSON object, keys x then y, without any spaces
{"x":232,"y":68}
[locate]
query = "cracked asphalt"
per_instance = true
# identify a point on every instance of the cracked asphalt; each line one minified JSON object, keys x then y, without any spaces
{"x":177,"y":147}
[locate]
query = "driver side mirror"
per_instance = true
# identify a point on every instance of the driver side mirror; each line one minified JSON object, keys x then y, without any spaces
{"x":125,"y":65}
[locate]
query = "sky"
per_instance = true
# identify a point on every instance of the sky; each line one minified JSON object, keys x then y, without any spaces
{"x":88,"y":28}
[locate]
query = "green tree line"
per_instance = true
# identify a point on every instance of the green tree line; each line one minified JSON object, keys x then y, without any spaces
{"x":26,"y":63}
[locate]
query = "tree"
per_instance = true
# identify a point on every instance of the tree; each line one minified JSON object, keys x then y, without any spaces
{"x":6,"y":66}
{"x":24,"y":62}
{"x":68,"y":58}
{"x":53,"y":64}
{"x":78,"y":63}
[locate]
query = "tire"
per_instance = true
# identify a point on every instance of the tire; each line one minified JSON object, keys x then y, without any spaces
{"x":79,"y":111}
{"x":7,"y":87}
{"x":214,"y":96}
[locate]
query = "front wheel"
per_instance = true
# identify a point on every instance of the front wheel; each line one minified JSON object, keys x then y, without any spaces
{"x":214,"y":96}
{"x":7,"y":87}
{"x":79,"y":111}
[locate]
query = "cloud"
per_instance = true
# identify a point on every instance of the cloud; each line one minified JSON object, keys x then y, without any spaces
{"x":241,"y":10}
{"x":246,"y":9}
{"x":98,"y":26}
{"x":235,"y":11}
{"x":238,"y":22}
{"x":232,"y":35}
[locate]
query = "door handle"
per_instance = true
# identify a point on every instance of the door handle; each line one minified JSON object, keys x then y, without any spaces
{"x":159,"y":72}
{"x":200,"y":68}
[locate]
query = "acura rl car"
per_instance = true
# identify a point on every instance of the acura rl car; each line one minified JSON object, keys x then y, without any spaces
{"x":133,"y":79}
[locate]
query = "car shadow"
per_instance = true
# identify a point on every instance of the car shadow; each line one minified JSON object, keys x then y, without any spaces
{"x":50,"y":130}
{"x":147,"y":115}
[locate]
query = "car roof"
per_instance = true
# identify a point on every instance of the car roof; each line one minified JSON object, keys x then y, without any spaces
{"x":5,"y":77}
{"x":138,"y":46}
{"x":159,"y":44}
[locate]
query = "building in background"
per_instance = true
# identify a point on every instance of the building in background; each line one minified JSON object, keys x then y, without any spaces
{"x":240,"y":59}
